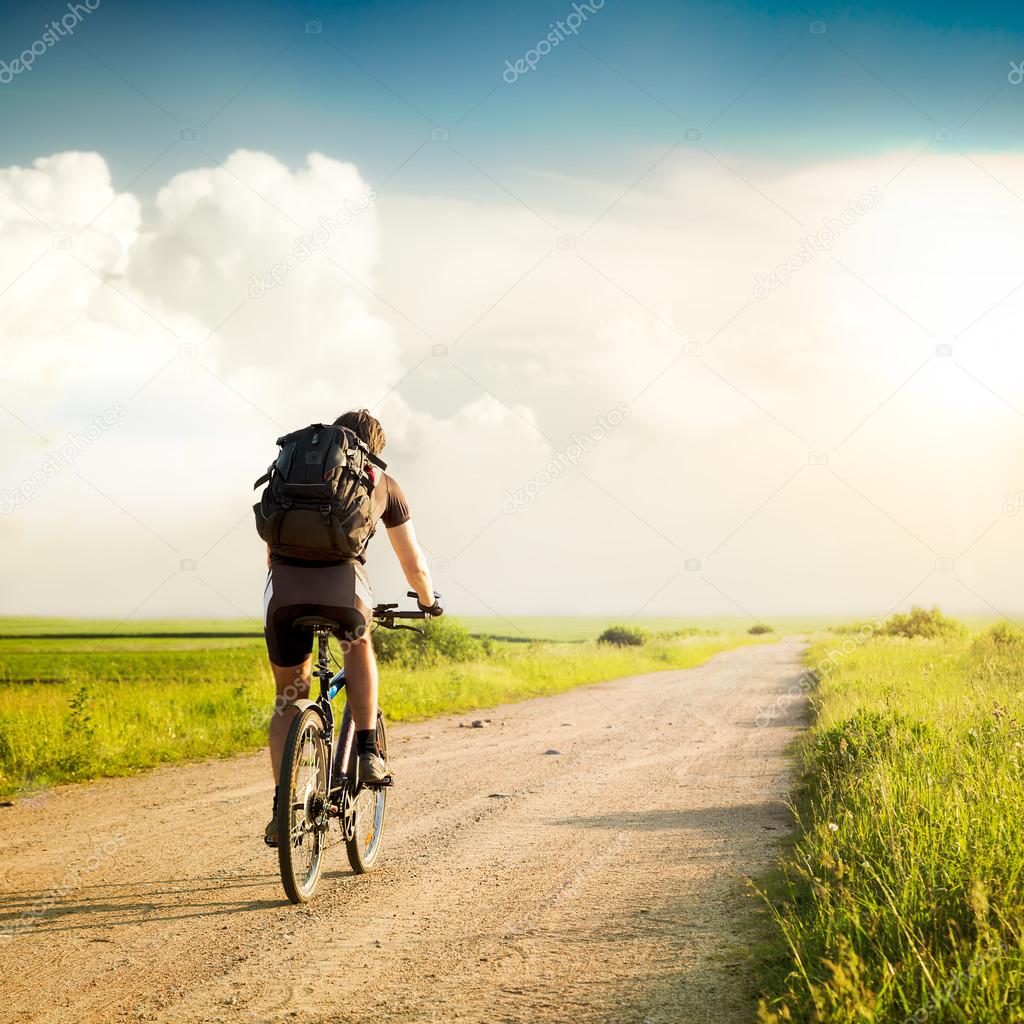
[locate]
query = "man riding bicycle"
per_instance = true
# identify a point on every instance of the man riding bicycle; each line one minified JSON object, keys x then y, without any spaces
{"x":316,"y":567}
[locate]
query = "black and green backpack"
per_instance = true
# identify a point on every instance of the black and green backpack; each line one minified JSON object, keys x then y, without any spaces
{"x":316,"y":505}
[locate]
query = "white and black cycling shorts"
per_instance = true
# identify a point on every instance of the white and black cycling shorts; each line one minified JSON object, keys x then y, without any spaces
{"x":339,"y":592}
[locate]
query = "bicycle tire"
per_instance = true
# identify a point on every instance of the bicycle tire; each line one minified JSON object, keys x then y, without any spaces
{"x":364,"y":847}
{"x":305,"y":820}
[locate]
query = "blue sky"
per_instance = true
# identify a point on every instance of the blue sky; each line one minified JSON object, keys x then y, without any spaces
{"x":373,"y":83}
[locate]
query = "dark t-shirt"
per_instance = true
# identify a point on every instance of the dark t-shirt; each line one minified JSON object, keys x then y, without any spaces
{"x":387,"y":506}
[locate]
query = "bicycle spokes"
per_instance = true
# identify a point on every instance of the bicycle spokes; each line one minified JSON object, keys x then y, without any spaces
{"x":304,"y":775}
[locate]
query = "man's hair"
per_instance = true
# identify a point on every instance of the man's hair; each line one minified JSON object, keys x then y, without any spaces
{"x":365,"y":426}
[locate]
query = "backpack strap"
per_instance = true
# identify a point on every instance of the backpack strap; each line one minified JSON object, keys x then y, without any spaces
{"x":265,"y":478}
{"x":376,"y":460}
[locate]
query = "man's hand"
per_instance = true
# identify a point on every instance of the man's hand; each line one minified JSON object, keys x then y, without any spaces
{"x":435,"y":610}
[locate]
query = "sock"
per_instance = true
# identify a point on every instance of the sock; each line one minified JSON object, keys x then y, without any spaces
{"x":366,"y":741}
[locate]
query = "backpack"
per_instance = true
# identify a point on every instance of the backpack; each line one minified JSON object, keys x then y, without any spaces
{"x":316,"y":505}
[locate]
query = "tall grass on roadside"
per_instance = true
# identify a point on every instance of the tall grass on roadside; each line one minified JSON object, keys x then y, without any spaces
{"x":79,"y":709}
{"x":903,"y":898}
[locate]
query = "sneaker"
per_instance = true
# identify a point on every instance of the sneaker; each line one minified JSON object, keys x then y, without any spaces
{"x":270,"y":832}
{"x":374,"y":771}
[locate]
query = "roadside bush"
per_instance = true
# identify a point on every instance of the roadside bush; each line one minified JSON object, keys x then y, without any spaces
{"x":921,"y":622}
{"x":441,"y":640}
{"x":1003,"y":635}
{"x":623,"y":636}
{"x":998,"y":654}
{"x":759,"y":629}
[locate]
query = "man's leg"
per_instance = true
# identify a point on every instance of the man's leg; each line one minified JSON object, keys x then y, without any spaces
{"x":361,"y":682}
{"x":361,"y":673}
{"x":292,"y":685}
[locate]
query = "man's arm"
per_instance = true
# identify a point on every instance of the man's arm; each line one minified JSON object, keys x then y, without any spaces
{"x":413,"y":561}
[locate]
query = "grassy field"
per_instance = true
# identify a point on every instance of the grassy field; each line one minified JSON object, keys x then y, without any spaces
{"x":569,"y":628}
{"x":565,"y":628}
{"x":12,"y":625}
{"x":903,"y":897}
{"x":87,"y":706}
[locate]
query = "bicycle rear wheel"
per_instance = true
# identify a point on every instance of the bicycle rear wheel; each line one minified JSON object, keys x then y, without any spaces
{"x":302,"y":806}
{"x":368,"y":809}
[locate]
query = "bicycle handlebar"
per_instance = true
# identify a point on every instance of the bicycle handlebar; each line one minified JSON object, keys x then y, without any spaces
{"x":385,"y":613}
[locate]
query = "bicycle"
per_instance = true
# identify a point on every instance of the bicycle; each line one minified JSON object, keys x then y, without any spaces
{"x":319,"y":773}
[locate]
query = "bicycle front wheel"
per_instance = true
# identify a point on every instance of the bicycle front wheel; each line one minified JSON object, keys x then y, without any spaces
{"x":302,"y":806}
{"x":368,"y":810}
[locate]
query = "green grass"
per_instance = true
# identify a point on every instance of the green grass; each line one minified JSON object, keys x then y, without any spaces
{"x":903,"y":895}
{"x":74,"y":709}
{"x":518,"y":627}
{"x":39,"y":625}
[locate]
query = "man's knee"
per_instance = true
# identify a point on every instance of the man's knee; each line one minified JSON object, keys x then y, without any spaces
{"x":358,"y":643}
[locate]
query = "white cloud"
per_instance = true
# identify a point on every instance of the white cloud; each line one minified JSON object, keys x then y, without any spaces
{"x":712,"y":442}
{"x":655,"y":307}
{"x":135,"y":313}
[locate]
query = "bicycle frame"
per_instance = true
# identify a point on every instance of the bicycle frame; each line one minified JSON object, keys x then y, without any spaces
{"x":330,"y":686}
{"x":339,"y":748}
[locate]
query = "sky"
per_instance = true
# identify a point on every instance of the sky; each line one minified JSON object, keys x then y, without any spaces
{"x":666,"y":308}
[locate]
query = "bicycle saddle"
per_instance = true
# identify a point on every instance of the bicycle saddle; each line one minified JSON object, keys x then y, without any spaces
{"x":316,"y":622}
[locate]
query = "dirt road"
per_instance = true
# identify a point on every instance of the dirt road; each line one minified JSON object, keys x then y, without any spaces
{"x":600,"y":883}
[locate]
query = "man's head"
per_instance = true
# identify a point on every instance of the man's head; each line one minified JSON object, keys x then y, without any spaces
{"x":361,"y":423}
